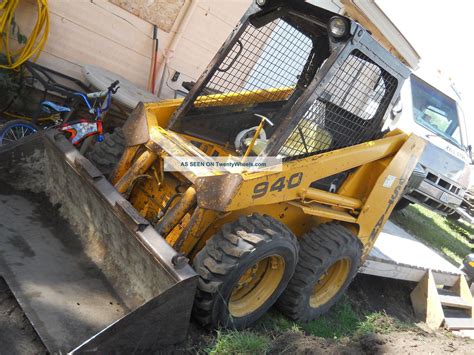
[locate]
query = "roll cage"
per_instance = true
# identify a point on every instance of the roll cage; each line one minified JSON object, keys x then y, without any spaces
{"x":322,"y":93}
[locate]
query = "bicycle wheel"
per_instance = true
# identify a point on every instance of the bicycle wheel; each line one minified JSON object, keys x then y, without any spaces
{"x":15,"y":130}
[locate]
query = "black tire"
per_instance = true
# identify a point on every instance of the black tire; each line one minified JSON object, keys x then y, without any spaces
{"x":106,"y":154}
{"x":227,"y":258}
{"x":402,"y":204}
{"x":29,"y":128}
{"x":328,"y":245}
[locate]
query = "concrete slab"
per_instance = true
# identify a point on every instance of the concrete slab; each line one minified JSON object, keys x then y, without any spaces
{"x":399,"y":255}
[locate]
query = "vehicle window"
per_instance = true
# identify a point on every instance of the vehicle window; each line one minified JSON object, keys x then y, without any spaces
{"x":435,"y":110}
{"x":348,"y":112}
{"x":264,"y":65}
{"x":259,"y":75}
{"x":359,"y":87}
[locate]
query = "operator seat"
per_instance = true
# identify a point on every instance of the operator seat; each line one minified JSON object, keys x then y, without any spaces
{"x":308,"y":137}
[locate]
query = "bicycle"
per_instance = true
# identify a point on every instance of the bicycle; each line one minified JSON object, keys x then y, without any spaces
{"x":76,"y":130}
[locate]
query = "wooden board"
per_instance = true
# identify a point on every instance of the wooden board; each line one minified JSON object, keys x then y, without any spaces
{"x":454,"y":301}
{"x":396,"y":254}
{"x":162,"y":13}
{"x":384,"y":268}
{"x":459,"y":323}
{"x":77,"y":38}
{"x":100,"y":33}
{"x":426,"y":303}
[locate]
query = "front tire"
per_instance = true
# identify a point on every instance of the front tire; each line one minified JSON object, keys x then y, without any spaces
{"x":106,"y":154}
{"x":329,"y":259}
{"x":243,"y":270}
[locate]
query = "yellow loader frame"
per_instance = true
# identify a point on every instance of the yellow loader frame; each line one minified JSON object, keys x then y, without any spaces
{"x":262,"y":235}
{"x":363,"y":203}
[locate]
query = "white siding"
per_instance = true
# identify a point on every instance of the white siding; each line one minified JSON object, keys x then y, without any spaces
{"x":100,"y":33}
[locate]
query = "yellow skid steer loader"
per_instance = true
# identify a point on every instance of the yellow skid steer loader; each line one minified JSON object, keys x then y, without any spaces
{"x":114,"y":252}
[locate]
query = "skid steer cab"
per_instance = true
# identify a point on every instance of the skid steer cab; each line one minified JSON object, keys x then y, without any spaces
{"x":293,"y":82}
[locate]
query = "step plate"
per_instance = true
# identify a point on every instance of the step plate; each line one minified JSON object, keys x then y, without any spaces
{"x":459,"y":323}
{"x":454,"y":301}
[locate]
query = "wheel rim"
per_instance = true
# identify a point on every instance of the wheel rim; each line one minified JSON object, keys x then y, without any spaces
{"x":330,"y":283}
{"x":16,"y":132}
{"x":256,"y":285}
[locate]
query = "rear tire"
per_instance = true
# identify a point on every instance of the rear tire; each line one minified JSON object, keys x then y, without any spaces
{"x":15,"y":130}
{"x":106,"y":154}
{"x":243,"y":270}
{"x":329,"y":260}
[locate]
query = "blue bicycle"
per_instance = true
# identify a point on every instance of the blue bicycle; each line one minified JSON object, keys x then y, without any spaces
{"x":76,"y":130}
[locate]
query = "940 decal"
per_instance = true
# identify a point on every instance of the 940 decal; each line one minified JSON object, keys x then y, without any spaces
{"x":262,"y":188}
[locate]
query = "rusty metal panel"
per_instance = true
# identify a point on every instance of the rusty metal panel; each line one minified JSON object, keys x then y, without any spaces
{"x":162,"y":13}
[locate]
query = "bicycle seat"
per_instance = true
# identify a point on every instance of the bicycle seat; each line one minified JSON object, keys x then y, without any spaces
{"x":51,"y":107}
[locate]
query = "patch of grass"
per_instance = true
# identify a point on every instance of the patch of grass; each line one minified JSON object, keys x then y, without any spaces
{"x":446,"y":236}
{"x":340,"y":321}
{"x":275,"y":322}
{"x":381,"y":323}
{"x":243,"y":342}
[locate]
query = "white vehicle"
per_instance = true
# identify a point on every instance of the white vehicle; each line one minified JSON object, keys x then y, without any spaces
{"x":432,"y":111}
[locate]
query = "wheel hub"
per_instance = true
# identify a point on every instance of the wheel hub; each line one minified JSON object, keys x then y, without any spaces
{"x":330,"y":282}
{"x":256,"y":285}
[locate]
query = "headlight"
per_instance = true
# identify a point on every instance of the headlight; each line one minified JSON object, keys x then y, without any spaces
{"x":261,"y":3}
{"x":338,"y":27}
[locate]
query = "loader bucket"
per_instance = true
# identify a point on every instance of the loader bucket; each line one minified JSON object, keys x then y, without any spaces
{"x":87,"y":270}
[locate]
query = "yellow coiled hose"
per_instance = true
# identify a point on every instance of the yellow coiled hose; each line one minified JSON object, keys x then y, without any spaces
{"x":35,"y":41}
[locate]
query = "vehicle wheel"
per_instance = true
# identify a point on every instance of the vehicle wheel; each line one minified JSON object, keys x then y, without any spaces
{"x":106,"y":154}
{"x":243,"y":270}
{"x":329,"y":260}
{"x":403,"y":203}
{"x":15,"y":130}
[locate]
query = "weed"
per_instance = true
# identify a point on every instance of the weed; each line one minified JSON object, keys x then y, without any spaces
{"x":381,"y":323}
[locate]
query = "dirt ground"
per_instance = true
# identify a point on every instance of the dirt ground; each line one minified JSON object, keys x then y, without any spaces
{"x":17,"y":336}
{"x":366,"y":294}
{"x":393,"y":343}
{"x":377,"y":294}
{"x":373,"y":294}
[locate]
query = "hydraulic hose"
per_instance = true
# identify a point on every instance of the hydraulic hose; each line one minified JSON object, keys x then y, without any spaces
{"x":35,"y":41}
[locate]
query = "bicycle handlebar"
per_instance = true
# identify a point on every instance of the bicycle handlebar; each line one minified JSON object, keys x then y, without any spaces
{"x":112,"y":89}
{"x":97,"y":94}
